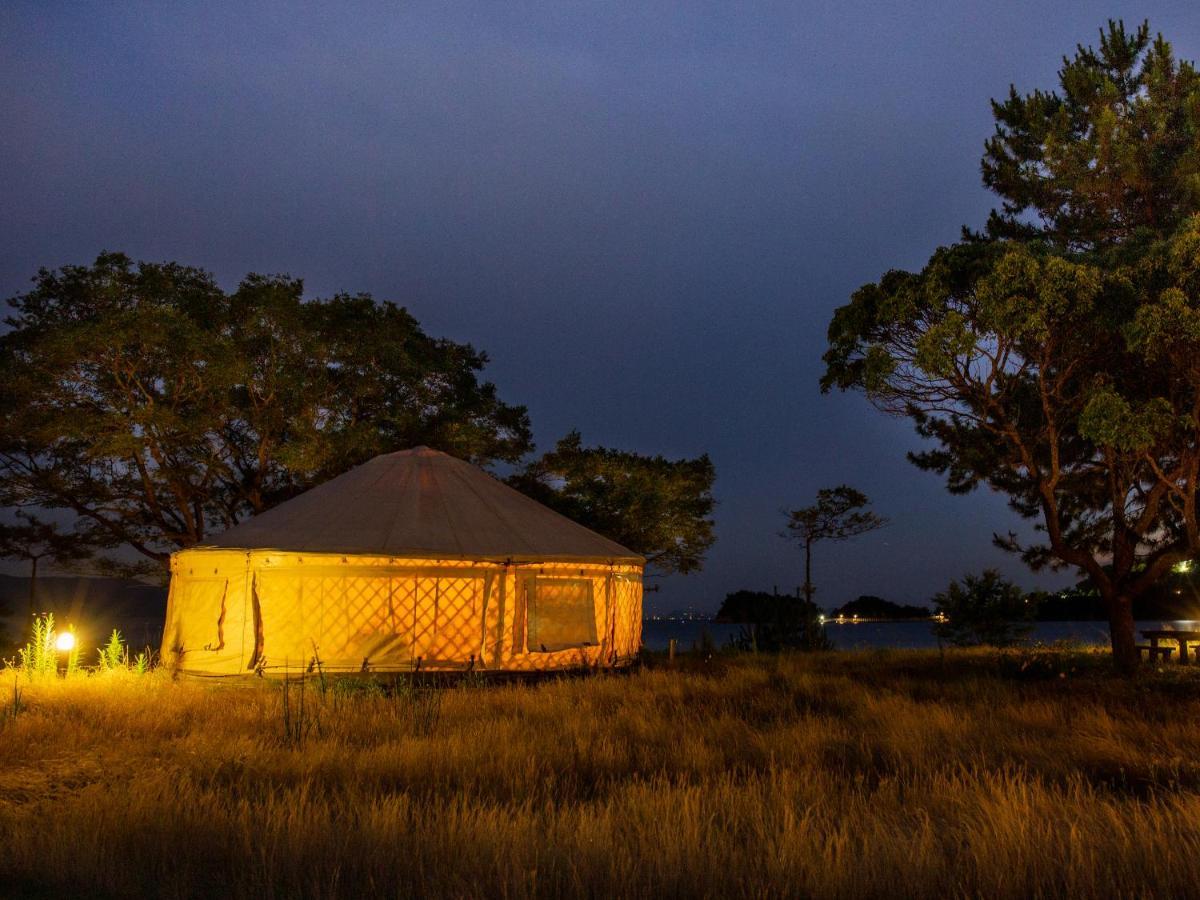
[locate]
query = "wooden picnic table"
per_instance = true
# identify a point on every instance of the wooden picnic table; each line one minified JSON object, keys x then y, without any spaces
{"x":1178,"y":635}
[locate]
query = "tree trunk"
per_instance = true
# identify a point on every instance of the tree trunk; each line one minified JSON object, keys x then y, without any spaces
{"x":808,"y":585}
{"x":32,"y":588}
{"x":1122,"y":634}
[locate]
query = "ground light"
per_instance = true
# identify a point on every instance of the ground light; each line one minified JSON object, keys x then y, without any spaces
{"x":68,"y":652}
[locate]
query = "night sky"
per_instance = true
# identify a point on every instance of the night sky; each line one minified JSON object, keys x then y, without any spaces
{"x":645,"y":213}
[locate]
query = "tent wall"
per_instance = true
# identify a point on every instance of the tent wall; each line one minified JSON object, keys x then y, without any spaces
{"x":209,"y":615}
{"x":239,"y":611}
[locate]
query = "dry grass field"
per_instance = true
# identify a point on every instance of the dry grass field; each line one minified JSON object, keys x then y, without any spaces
{"x":882,"y":774}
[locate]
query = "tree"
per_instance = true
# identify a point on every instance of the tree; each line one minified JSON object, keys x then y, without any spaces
{"x":983,"y":609}
{"x":159,"y":409}
{"x":657,"y":507}
{"x":33,"y":540}
{"x":839,"y":514}
{"x":1055,"y":356}
{"x":776,"y":621}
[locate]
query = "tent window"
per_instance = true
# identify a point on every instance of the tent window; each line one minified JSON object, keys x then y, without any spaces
{"x":562,"y":614}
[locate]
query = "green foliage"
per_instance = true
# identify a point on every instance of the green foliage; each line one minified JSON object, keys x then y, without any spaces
{"x":1112,"y":153}
{"x":39,"y":657}
{"x":1055,"y":356}
{"x":838,"y":515}
{"x":113,"y":655}
{"x":984,"y":609}
{"x":1108,"y":420}
{"x":657,"y":507}
{"x":349,"y":685}
{"x":159,"y":409}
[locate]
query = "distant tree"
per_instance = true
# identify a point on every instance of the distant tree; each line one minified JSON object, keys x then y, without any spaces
{"x":741,"y":607}
{"x":1055,"y":357}
{"x":159,"y":409}
{"x":657,"y":507}
{"x":34,"y":540}
{"x":984,"y":609}
{"x":839,"y":514}
{"x":775,"y":621}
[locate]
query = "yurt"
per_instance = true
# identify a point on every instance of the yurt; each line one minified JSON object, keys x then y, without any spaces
{"x":413,"y":561}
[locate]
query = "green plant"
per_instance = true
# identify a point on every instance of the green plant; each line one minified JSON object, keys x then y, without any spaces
{"x":113,"y":655}
{"x":38,"y":657}
{"x":474,"y":679}
{"x":141,"y":664}
{"x":351,"y":686}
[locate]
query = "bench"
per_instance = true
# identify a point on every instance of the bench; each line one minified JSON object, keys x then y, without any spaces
{"x":1152,"y":652}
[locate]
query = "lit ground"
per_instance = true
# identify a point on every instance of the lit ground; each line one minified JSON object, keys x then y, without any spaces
{"x":841,"y":775}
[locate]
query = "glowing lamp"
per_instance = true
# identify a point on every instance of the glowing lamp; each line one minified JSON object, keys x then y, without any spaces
{"x":65,"y":642}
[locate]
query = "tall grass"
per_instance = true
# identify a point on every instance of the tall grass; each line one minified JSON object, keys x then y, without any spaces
{"x":898,"y":774}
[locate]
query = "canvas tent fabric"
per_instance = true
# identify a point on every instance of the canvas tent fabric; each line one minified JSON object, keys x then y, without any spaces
{"x":413,"y":560}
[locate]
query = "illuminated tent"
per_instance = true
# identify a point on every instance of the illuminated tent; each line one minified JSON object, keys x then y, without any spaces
{"x":414,"y":560}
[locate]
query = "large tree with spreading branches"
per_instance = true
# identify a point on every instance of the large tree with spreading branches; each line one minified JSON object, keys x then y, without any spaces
{"x":158,"y":409}
{"x":1054,"y":356}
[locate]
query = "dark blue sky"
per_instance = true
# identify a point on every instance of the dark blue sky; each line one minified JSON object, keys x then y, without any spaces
{"x":645,"y":212}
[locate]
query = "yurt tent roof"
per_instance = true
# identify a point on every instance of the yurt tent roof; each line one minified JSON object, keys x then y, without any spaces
{"x":420,"y":503}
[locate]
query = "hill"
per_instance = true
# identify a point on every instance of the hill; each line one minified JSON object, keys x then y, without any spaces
{"x":869,"y":607}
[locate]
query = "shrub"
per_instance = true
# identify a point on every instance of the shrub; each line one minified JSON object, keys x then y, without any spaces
{"x":983,"y":609}
{"x":783,"y":623}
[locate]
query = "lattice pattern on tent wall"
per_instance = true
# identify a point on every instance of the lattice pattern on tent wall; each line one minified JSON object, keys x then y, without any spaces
{"x":348,"y":611}
{"x":361,"y":617}
{"x":627,"y":621}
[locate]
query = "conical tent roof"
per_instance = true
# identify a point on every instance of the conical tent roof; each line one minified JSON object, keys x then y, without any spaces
{"x":421,"y":503}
